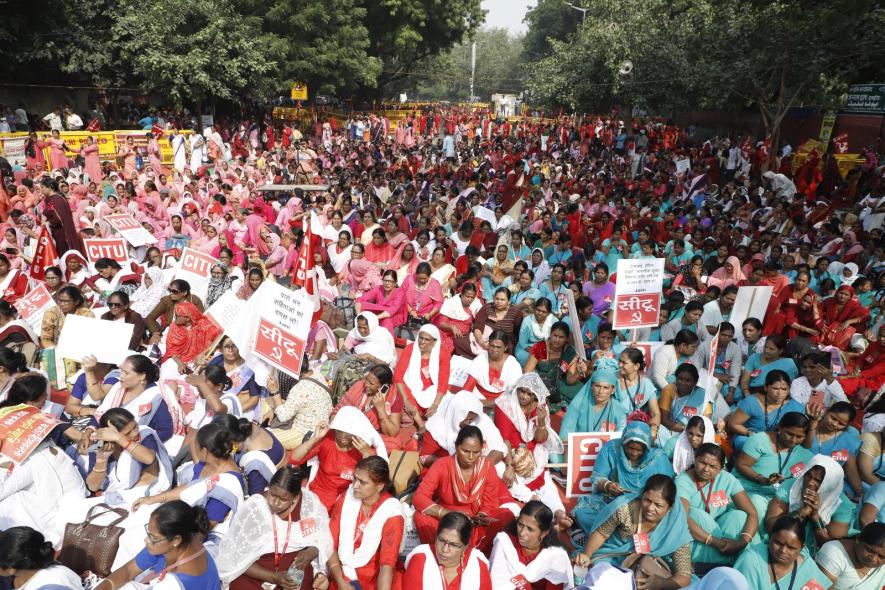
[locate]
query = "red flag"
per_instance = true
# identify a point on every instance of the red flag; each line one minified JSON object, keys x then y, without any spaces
{"x":305,"y":274}
{"x":45,"y":256}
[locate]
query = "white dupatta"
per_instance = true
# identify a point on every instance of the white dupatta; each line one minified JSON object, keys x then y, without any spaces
{"x":444,"y":425}
{"x":251,"y":535}
{"x":351,"y":558}
{"x":453,"y":308}
{"x":127,"y":470}
{"x":510,"y":372}
{"x":683,"y":454}
{"x":412,"y":378}
{"x":551,"y":564}
{"x":379,"y":343}
{"x":432,"y":580}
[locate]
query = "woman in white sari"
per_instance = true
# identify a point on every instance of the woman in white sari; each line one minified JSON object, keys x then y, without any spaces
{"x":367,"y":341}
{"x":28,"y":558}
{"x":285,"y":526}
{"x":149,"y":293}
{"x":339,"y":251}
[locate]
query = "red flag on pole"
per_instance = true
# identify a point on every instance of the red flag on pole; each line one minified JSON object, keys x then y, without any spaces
{"x":305,"y":274}
{"x":44,"y":256}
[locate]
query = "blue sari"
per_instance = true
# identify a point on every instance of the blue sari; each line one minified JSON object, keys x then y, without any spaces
{"x":684,"y":408}
{"x":612,"y":464}
{"x":759,"y":420}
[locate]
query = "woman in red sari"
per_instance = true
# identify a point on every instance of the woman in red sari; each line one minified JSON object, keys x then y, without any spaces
{"x":868,"y":369}
{"x":190,"y":335}
{"x":367,"y":527}
{"x":465,"y":483}
{"x":788,"y":303}
{"x":803,"y":320}
{"x":422,"y":372}
{"x":448,"y":562}
{"x":378,"y":250}
{"x":842,"y":316}
{"x":455,"y":319}
{"x":382,"y":404}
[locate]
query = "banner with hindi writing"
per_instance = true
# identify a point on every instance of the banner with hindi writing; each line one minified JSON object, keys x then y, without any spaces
{"x":638,"y":293}
{"x":34,"y":305}
{"x":22,"y":429}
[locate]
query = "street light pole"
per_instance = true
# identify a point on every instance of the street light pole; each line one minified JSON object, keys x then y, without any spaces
{"x":583,"y":11}
{"x":472,"y":68}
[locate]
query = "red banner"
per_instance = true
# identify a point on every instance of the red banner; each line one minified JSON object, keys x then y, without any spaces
{"x":45,"y":255}
{"x":22,"y":428}
{"x":583,"y":448}
{"x":279,"y":347}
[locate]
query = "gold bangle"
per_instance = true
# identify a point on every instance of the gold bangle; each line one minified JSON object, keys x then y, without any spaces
{"x":748,"y":536}
{"x":707,"y":540}
{"x":96,"y":469}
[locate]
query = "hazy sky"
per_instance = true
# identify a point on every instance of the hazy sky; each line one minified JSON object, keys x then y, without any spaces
{"x":506,"y":13}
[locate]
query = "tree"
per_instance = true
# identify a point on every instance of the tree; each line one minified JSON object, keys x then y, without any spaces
{"x":403,"y":33}
{"x":193,"y":49}
{"x":323,"y":43}
{"x":548,"y":19}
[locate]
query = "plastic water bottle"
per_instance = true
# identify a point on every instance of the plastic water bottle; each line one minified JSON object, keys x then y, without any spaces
{"x":296,"y":575}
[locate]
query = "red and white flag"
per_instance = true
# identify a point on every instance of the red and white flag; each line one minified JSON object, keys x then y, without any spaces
{"x":305,"y":274}
{"x":45,"y":255}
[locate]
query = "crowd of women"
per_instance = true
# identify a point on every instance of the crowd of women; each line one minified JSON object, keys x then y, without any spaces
{"x":447,"y":343}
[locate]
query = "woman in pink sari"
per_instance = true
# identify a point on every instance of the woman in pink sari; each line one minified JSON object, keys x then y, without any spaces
{"x":360,"y":274}
{"x":34,"y":151}
{"x":424,"y":296}
{"x":395,"y":237}
{"x":253,"y":240}
{"x":379,"y":251}
{"x":127,"y":153}
{"x":153,"y":150}
{"x":226,"y":240}
{"x":288,"y":213}
{"x":275,"y":263}
{"x":57,"y":157}
{"x":92,"y":164}
{"x":728,"y":274}
{"x":386,"y":301}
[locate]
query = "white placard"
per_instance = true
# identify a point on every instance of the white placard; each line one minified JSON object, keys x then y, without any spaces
{"x":107,"y":341}
{"x":33,"y":305}
{"x":14,"y":151}
{"x":131,"y":230}
{"x":683,"y":166}
{"x":638,"y":288}
{"x":751,"y":302}
{"x":281,"y":326}
{"x":227,"y":311}
{"x":577,"y":331}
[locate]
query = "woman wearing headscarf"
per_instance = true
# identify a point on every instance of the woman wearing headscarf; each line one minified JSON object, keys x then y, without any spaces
{"x":842,"y":316}
{"x":523,"y":419}
{"x":535,"y":328}
{"x":496,"y":270}
{"x":455,"y":319}
{"x":538,"y":265}
{"x":190,"y":335}
{"x":366,"y":344}
{"x":721,"y":518}
{"x":275,"y":261}
{"x":219,"y":283}
{"x":148,"y":295}
{"x":337,"y":448}
{"x":681,"y":449}
{"x":422,"y":372}
{"x":593,"y":409}
{"x":622,"y":467}
{"x":650,"y":521}
{"x":728,"y":274}
{"x":815,"y":497}
{"x":455,"y":412}
{"x":784,"y":561}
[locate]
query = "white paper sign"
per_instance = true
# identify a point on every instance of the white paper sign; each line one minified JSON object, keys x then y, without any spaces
{"x":683,"y":166}
{"x":282,"y":327}
{"x":227,"y":311}
{"x":196,"y":268}
{"x":751,"y":302}
{"x":14,"y":151}
{"x":107,"y":341}
{"x":129,"y":227}
{"x":638,"y":288}
{"x":577,"y":333}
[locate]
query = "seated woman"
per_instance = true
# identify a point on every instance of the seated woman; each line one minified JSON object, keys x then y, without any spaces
{"x":366,"y":345}
{"x":12,"y":365}
{"x":213,"y":481}
{"x":137,"y":391}
{"x":285,"y":526}
{"x":448,"y":562}
{"x":422,"y":372}
{"x":529,"y":553}
{"x":424,"y":296}
{"x":211,"y":384}
{"x":872,"y":508}
{"x":556,"y":362}
{"x":493,"y":370}
{"x":496,"y":270}
{"x":681,"y":449}
{"x":338,"y":447}
{"x":12,"y":329}
{"x":635,"y":392}
{"x":257,"y":451}
{"x":119,"y":311}
{"x":817,"y":378}
{"x":535,"y":328}
{"x":242,"y":378}
{"x":523,"y":419}
{"x":497,"y":315}
{"x":622,"y":467}
{"x":761,"y":412}
{"x":112,"y":277}
{"x":467,"y":483}
{"x":387,"y":301}
{"x":307,"y":404}
{"x":455,"y":320}
{"x":759,"y":365}
{"x":721,"y":517}
{"x":28,"y":560}
{"x":70,"y":301}
{"x":855,"y":564}
{"x":455,"y":412}
{"x":382,"y":405}
{"x":842,"y":316}
{"x":649,"y":521}
{"x":173,"y":546}
{"x":682,"y":400}
{"x":784,"y":561}
{"x":367,"y":526}
{"x":671,"y":356}
{"x":594,"y":409}
{"x":832,"y":436}
{"x":815,"y":497}
{"x":871,"y":460}
{"x":772,"y":457}
{"x":189,"y":339}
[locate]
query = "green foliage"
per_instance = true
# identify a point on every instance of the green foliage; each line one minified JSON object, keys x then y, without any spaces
{"x":549,"y":19}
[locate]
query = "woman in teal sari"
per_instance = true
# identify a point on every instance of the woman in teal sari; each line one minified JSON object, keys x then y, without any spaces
{"x":759,"y":364}
{"x":721,"y":518}
{"x":770,"y":458}
{"x":535,"y":328}
{"x":652,"y":522}
{"x":784,"y":562}
{"x":681,"y":401}
{"x":815,"y":497}
{"x":594,"y":409}
{"x":622,"y":467}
